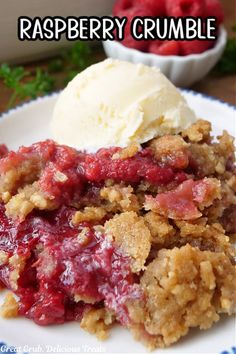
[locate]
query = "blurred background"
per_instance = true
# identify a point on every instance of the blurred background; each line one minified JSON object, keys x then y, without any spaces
{"x":29,"y":69}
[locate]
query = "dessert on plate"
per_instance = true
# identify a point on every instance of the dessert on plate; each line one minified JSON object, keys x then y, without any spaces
{"x":127,"y":216}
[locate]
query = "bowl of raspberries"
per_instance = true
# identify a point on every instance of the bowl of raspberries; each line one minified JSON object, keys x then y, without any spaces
{"x":184,"y":62}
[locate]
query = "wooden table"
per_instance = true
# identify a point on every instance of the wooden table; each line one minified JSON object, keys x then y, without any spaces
{"x":222,"y":87}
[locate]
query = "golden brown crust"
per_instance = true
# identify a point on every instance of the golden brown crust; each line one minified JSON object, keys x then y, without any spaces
{"x":127,"y":152}
{"x":160,"y":228}
{"x":198,"y":132}
{"x":17,"y":264}
{"x":20,"y":190}
{"x":28,"y":198}
{"x":187,"y":288}
{"x":3,"y":258}
{"x":171,"y":150}
{"x":10,"y":307}
{"x":98,"y":322}
{"x":89,"y":214}
{"x":119,"y":198}
{"x":132,"y":235}
{"x":17,"y":176}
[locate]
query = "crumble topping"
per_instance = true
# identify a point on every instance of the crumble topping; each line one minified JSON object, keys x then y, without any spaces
{"x":128,"y":152}
{"x":171,"y":150}
{"x":27,"y":199}
{"x":198,"y":132}
{"x":89,"y":214}
{"x":10,"y":307}
{"x":98,"y":322}
{"x":14,"y":173}
{"x":140,"y":235}
{"x":120,"y":198}
{"x":83,"y":236}
{"x":86,"y":299}
{"x":131,"y":233}
{"x":159,"y":227}
{"x":3,"y":258}
{"x":186,"y":287}
{"x":17,"y":264}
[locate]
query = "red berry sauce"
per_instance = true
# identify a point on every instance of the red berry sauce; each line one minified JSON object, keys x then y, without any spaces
{"x":82,"y":171}
{"x":61,"y":266}
{"x":66,"y":272}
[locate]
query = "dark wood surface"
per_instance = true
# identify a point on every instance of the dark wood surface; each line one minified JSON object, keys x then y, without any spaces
{"x":222,"y":87}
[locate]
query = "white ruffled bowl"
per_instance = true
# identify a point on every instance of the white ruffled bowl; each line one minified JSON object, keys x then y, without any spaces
{"x":183,"y":71}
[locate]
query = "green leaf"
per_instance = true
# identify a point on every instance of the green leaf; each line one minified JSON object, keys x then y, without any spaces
{"x":55,"y":65}
{"x":78,"y":56}
{"x":12,"y":76}
{"x":42,"y":83}
{"x":25,"y":85}
{"x":227,"y":64}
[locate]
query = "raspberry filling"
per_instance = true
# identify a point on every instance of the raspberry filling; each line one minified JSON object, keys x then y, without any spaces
{"x":182,"y":202}
{"x":58,"y":270}
{"x":101,"y":166}
{"x":64,"y":173}
{"x":66,"y":269}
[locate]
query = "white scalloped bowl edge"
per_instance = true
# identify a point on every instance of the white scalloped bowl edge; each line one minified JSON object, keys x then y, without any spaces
{"x":183,"y":71}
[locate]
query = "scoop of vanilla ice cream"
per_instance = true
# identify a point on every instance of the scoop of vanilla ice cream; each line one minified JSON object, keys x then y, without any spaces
{"x":114,"y":103}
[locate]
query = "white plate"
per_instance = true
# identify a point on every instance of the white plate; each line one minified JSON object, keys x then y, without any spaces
{"x":30,"y":123}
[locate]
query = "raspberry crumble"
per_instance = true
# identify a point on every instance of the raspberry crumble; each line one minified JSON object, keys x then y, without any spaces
{"x":141,"y":236}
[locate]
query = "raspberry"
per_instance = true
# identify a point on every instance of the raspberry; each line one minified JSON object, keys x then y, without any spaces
{"x":136,"y":11}
{"x":195,"y":46}
{"x":215,"y":9}
{"x":157,"y":7}
{"x":129,"y":41}
{"x":183,"y":8}
{"x":164,"y":47}
{"x":121,"y":5}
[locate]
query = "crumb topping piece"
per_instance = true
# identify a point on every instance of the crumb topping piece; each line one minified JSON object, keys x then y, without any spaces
{"x":17,"y":264}
{"x":185,"y":288}
{"x":171,"y":150}
{"x":27,"y":199}
{"x":98,"y":322}
{"x":127,"y":152}
{"x":198,"y":132}
{"x":130,"y":232}
{"x":120,"y":198}
{"x":10,"y":307}
{"x":159,"y":227}
{"x":3,"y":258}
{"x":89,"y":214}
